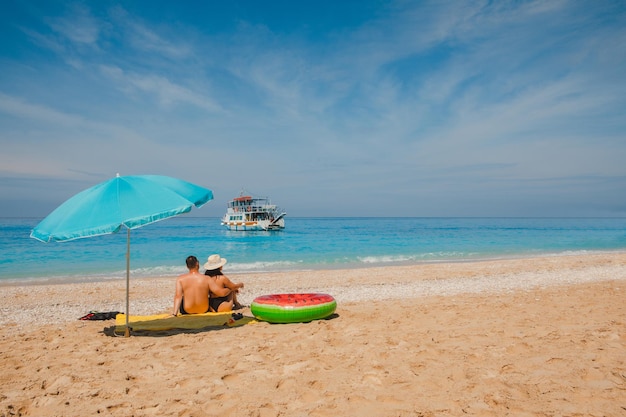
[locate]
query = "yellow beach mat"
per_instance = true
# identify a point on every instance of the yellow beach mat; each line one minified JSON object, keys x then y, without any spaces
{"x":158,"y":322}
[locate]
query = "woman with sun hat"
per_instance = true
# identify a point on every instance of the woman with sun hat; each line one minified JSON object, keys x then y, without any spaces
{"x":213,"y":268}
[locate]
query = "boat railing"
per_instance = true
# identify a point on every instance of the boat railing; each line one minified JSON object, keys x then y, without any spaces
{"x":256,"y":203}
{"x":265,"y":208}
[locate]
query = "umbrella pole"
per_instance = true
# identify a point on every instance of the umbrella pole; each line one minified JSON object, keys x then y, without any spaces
{"x":127,"y":332}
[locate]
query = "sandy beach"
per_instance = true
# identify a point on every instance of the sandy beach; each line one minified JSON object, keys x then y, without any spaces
{"x":522,"y":337}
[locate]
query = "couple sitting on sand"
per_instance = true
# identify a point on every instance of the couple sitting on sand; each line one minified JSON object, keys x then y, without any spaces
{"x":211,"y":292}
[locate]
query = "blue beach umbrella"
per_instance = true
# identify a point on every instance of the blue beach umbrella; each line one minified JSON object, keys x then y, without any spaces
{"x":128,"y":201}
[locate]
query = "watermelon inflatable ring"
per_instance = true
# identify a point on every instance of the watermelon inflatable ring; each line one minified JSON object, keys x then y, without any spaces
{"x":293,"y":308}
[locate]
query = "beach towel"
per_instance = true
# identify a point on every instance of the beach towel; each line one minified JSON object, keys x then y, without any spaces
{"x":160,"y":322}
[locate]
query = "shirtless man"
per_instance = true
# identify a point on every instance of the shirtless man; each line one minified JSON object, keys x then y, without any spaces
{"x":193,"y":289}
{"x":219,"y":303}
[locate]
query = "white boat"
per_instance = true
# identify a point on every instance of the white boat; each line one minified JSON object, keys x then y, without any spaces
{"x":253,"y":213}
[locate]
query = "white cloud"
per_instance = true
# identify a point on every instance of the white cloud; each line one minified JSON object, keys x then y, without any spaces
{"x":147,"y":40}
{"x":33,"y":112}
{"x":167,"y":92}
{"x":78,"y":26}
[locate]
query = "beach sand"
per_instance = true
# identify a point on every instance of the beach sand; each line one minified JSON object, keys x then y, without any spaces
{"x":523,"y":337}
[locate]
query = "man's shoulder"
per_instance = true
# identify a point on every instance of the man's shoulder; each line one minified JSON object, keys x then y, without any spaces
{"x":191,"y":275}
{"x":184,"y":276}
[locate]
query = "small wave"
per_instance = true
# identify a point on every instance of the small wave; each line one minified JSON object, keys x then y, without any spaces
{"x":571,"y":253}
{"x":384,"y":259}
{"x":234,"y":267}
{"x":422,"y":257}
{"x":61,"y":279}
{"x":261,"y":266}
{"x":158,"y":271}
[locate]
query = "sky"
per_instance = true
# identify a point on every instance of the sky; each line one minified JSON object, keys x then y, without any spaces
{"x":349,"y":108}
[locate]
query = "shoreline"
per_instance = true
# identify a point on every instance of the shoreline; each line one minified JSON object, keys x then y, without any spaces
{"x":60,"y":303}
{"x":111,"y":277}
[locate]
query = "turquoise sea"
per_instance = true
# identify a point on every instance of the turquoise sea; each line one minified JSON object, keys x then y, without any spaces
{"x":160,"y":249}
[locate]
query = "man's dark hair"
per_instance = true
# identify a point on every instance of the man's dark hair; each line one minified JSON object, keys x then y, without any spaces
{"x":192,"y":262}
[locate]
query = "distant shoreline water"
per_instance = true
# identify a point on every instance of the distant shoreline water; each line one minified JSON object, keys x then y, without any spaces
{"x":159,"y":250}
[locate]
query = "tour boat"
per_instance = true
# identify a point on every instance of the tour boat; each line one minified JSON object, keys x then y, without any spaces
{"x":253,"y":213}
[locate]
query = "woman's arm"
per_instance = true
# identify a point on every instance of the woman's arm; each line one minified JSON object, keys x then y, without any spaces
{"x":217,"y":289}
{"x":228,"y":283}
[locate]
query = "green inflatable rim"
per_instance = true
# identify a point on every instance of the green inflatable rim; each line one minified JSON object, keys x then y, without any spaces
{"x":289,"y":314}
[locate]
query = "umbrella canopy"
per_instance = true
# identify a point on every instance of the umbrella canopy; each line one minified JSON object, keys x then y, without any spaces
{"x":128,"y":201}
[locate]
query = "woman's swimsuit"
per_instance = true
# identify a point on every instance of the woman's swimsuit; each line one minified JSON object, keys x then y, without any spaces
{"x":215,"y":302}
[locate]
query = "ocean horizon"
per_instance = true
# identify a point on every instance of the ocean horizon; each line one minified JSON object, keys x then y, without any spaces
{"x":307,"y":243}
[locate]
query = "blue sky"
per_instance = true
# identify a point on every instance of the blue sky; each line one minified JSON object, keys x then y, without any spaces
{"x":352,"y":108}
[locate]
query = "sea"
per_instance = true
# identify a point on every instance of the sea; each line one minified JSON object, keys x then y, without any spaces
{"x":160,"y":249}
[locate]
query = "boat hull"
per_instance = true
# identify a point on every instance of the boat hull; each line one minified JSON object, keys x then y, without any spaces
{"x":261,"y":225}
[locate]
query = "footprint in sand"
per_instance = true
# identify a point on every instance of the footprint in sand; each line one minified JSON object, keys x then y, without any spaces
{"x":267,"y":410}
{"x":230,"y":378}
